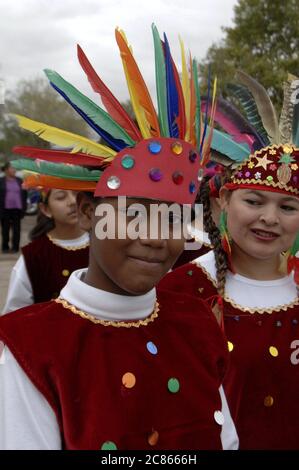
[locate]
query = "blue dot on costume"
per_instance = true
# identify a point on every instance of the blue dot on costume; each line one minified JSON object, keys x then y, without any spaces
{"x":154,"y":147}
{"x":192,"y":156}
{"x":192,"y":187}
{"x":151,"y":347}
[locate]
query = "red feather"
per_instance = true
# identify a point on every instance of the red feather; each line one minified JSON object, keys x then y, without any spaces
{"x":113,"y":106}
{"x":229,"y":126}
{"x":59,"y":156}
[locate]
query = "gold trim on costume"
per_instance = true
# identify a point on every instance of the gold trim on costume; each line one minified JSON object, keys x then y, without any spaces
{"x":265,"y":183}
{"x":251,"y":310}
{"x":69,"y":248}
{"x":117,"y":324}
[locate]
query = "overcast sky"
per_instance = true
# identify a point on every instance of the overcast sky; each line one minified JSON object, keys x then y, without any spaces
{"x":38,"y":34}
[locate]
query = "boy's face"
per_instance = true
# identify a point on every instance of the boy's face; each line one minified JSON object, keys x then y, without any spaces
{"x":127,"y":266}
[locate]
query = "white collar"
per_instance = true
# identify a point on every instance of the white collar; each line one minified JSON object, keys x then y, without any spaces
{"x":105,"y":305}
{"x":73,"y":243}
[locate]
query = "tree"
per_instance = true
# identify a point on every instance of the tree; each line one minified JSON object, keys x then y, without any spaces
{"x":37,"y":100}
{"x":264,"y":42}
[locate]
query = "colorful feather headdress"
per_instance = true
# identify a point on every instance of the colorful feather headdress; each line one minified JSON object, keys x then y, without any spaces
{"x":160,"y":157}
{"x":271,"y":161}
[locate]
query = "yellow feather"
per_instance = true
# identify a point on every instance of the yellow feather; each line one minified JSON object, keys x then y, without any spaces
{"x":64,"y":138}
{"x":186,"y":89}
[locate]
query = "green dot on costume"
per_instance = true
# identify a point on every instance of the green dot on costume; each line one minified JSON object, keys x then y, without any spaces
{"x":173,"y":385}
{"x":189,"y":273}
{"x":127,"y":162}
{"x":109,"y":445}
{"x":152,"y":348}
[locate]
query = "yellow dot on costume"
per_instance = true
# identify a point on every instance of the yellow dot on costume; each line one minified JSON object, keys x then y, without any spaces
{"x":230,"y":346}
{"x":153,"y":438}
{"x":128,"y":380}
{"x":177,"y":148}
{"x":65,"y":272}
{"x":250,"y":165}
{"x":273,"y":351}
{"x":272,"y":152}
{"x":287,"y":148}
{"x":294,"y":166}
{"x":268,"y":400}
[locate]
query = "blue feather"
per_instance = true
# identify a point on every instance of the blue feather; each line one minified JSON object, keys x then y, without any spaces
{"x":206,"y":114}
{"x":116,"y":144}
{"x":172,"y":93}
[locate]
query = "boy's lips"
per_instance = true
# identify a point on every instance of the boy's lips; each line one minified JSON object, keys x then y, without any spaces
{"x":143,"y":260}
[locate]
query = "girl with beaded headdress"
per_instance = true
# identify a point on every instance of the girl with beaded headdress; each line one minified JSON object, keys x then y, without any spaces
{"x":251,"y":276}
{"x":113,"y":363}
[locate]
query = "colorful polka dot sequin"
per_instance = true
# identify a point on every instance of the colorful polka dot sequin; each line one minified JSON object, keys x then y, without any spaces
{"x":173,"y":385}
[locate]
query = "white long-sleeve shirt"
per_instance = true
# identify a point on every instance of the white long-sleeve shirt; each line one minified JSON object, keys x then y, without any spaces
{"x":27,"y":420}
{"x":20,"y":293}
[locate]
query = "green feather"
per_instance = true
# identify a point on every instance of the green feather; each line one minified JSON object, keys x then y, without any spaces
{"x":223,"y":143}
{"x":93,"y":111}
{"x":160,"y":83}
{"x":295,"y":247}
{"x":59,"y":170}
{"x":197,"y":102}
{"x":223,"y":222}
{"x":247,"y":101}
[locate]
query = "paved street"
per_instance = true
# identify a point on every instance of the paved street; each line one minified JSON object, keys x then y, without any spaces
{"x":7,"y":261}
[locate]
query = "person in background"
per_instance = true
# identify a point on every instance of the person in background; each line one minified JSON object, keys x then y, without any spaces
{"x":13,"y":200}
{"x":58,"y":247}
{"x":251,"y":277}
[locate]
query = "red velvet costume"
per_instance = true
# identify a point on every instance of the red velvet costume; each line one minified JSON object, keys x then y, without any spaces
{"x":49,"y":277}
{"x":260,"y":383}
{"x":78,"y":366}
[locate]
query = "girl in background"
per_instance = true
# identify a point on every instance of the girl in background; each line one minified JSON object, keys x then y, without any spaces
{"x":58,"y":247}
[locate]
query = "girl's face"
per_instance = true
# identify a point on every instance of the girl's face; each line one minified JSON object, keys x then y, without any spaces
{"x":127,"y":266}
{"x":262,"y":224}
{"x":61,"y":207}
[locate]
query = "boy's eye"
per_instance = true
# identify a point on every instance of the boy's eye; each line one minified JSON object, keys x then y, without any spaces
{"x":288,"y":208}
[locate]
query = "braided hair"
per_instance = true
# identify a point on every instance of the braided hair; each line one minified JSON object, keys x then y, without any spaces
{"x":212,"y":229}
